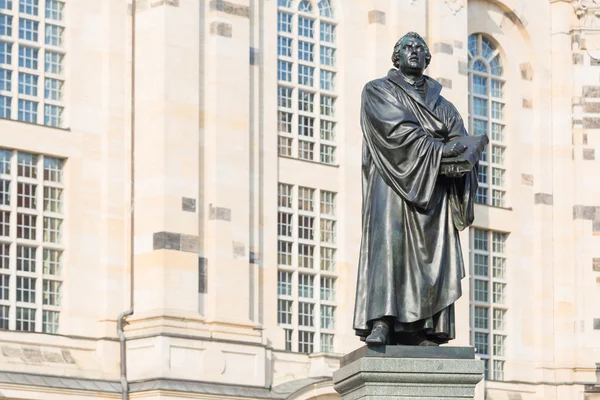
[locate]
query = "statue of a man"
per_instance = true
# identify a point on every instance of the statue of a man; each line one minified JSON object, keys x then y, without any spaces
{"x":411,"y":263}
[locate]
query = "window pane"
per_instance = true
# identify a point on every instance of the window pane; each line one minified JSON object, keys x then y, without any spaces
{"x":54,"y":35}
{"x":498,"y":294}
{"x":28,"y":57}
{"x":53,"y":62}
{"x":327,"y":56}
{"x":481,"y":317}
{"x":306,"y":101}
{"x":306,"y":75}
{"x":327,"y":259}
{"x":284,"y":283}
{"x":306,"y":126}
{"x":284,"y":22}
{"x":481,"y":264}
{"x":480,"y":107}
{"x":27,"y":111}
{"x":54,"y":10}
{"x":481,"y":291}
{"x":284,"y":122}
{"x":306,"y":51}
{"x":5,"y":80}
{"x":5,"y":50}
{"x":28,"y":84}
{"x":305,"y":227}
{"x":499,"y":319}
{"x":28,"y":7}
{"x":53,"y":169}
{"x":480,"y":85}
{"x":284,"y":253}
{"x":306,"y":27}
{"x":306,"y":256}
{"x":481,"y":343}
{"x":28,"y":29}
{"x":306,"y":286}
{"x":284,"y":46}
{"x":284,"y":97}
{"x":5,"y":25}
{"x":497,"y":89}
{"x":327,"y":32}
{"x":305,"y":150}
{"x":284,"y":71}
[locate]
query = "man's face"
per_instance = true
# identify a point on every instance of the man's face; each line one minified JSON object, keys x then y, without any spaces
{"x":412,"y":55}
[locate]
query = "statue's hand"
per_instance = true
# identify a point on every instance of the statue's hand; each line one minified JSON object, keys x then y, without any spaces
{"x":453,"y":171}
{"x":452,"y":149}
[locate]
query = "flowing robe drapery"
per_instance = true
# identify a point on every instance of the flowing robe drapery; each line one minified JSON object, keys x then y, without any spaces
{"x":410,"y":264}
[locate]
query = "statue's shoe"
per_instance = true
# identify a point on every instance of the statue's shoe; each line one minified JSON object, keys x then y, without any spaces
{"x":379,"y":334}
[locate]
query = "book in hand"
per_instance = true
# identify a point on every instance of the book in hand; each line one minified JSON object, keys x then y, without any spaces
{"x":465,"y":161}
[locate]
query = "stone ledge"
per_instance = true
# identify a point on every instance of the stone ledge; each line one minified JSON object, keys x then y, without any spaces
{"x":382,"y":374}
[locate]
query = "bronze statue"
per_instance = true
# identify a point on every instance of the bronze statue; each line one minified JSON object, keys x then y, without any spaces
{"x":419,"y":177}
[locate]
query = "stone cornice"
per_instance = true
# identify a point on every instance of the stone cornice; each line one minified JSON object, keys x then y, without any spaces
{"x":586,"y":7}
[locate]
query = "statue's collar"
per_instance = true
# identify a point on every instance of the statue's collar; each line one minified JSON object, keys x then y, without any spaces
{"x":433,"y":87}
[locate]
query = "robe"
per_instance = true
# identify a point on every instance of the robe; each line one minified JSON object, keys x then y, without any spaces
{"x":410,"y":264}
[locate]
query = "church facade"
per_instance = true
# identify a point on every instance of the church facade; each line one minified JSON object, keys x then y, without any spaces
{"x":180,"y":192}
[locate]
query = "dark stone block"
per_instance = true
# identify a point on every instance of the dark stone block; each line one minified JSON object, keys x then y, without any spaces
{"x":444,"y":353}
{"x":543,"y":198}
{"x":591,"y":123}
{"x":596,"y":264}
{"x":591,"y":107}
{"x":239,"y":250}
{"x":202,"y":274}
{"x":463,"y":68}
{"x":527,"y":179}
{"x":441,"y":47}
{"x":189,"y":243}
{"x":188,"y":204}
{"x":447,"y":83}
{"x":458,"y":44}
{"x":230,"y":8}
{"x":11,"y":351}
{"x":589,"y":154}
{"x":32,"y":355}
{"x":219,"y":213}
{"x":166,"y":240}
{"x":526,"y":71}
{"x":586,"y":212}
{"x":224,"y":29}
{"x":577,"y":59}
{"x":68,"y":357}
{"x":376,"y":17}
{"x":584,"y":139}
{"x":254,"y":56}
{"x":591,"y":91}
{"x":53,"y":358}
{"x":597,"y":323}
{"x":596,"y":229}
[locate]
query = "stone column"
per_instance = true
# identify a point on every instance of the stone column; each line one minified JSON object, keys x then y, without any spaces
{"x":408,"y":372}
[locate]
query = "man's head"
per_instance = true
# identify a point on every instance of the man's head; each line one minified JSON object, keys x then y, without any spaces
{"x":411,"y":54}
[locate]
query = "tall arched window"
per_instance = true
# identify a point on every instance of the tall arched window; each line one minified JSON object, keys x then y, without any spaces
{"x":486,"y":116}
{"x":307,"y":224}
{"x":306,"y":75}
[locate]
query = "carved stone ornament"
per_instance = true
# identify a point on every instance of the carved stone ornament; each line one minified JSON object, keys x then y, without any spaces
{"x":586,"y":7}
{"x":455,"y":5}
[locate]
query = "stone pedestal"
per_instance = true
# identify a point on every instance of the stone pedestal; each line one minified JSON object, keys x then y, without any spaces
{"x":408,"y":372}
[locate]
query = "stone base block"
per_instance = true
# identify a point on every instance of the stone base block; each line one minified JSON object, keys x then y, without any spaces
{"x":408,"y":372}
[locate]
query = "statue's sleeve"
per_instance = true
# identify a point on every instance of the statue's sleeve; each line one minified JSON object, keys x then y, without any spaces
{"x":407,"y":157}
{"x":462,"y":190}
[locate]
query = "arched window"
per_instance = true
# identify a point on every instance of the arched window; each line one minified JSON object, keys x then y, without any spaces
{"x":306,"y":73}
{"x":307,"y":221}
{"x":486,"y":116}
